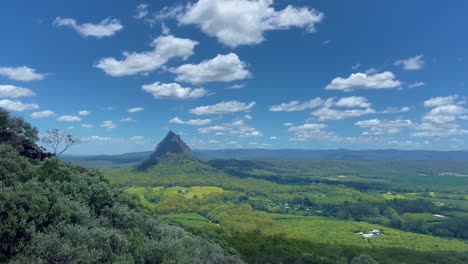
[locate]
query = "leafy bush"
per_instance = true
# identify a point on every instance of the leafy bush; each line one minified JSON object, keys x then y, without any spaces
{"x":51,"y":213}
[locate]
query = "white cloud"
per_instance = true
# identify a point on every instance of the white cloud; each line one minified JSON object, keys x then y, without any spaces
{"x":223,"y":108}
{"x":444,"y":113}
{"x":384,"y":80}
{"x":222,"y":68}
{"x":141,"y":11}
{"x":67,"y":118}
{"x":136,"y":138}
{"x":11,"y":91}
{"x":243,"y":22}
{"x":236,"y":86}
{"x":394,"y":110}
{"x":23,"y":73}
{"x":411,"y":64}
{"x":128,"y":119}
{"x":288,"y":124}
{"x":106,"y":28}
{"x":416,"y":84}
{"x":173,"y":91}
{"x":439,"y":101}
{"x":247,"y":117}
{"x":441,"y":120}
{"x":297,"y":106}
{"x":109,"y":125}
{"x":326,"y":113}
{"x":84,"y":113}
{"x":16,"y":106}
{"x":274,"y":138}
{"x":429,"y":129}
{"x":192,"y":122}
{"x":356,"y":66}
{"x":309,"y":131}
{"x":95,"y":138}
{"x":87,"y":125}
{"x":236,"y":128}
{"x":135,"y":109}
{"x":353,"y":101}
{"x":370,"y":71}
{"x":381,"y":127}
{"x":43,"y":114}
{"x":164,"y":29}
{"x":165,"y":48}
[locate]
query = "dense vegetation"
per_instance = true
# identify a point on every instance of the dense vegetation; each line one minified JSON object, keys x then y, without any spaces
{"x":267,"y":218}
{"x":50,"y":212}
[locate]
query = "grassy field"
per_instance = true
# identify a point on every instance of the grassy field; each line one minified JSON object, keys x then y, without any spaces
{"x":298,"y":207}
{"x":325,"y":230}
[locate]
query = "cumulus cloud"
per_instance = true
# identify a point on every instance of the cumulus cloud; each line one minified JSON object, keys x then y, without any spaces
{"x":141,"y":11}
{"x":326,"y":113}
{"x":165,"y":48}
{"x":416,"y":84}
{"x":243,"y":22}
{"x":223,"y":108}
{"x":236,"y":86}
{"x":439,"y":101}
{"x":106,"y":28}
{"x":444,"y":113}
{"x":360,"y":107}
{"x":173,"y":91}
{"x":128,"y":119}
{"x":11,"y":91}
{"x":108,"y":125}
{"x":222,"y":68}
{"x":43,"y":114}
{"x":17,"y":106}
{"x":294,"y":106}
{"x":309,"y":131}
{"x":236,"y":128}
{"x":95,"y":138}
{"x":67,"y":118}
{"x":429,"y":129}
{"x":23,"y":73}
{"x":353,"y":101}
{"x":384,"y":80}
{"x":192,"y":122}
{"x":381,"y":127}
{"x":84,"y":113}
{"x":394,"y":110}
{"x":135,"y":109}
{"x":87,"y":125}
{"x":441,"y":119}
{"x":411,"y":64}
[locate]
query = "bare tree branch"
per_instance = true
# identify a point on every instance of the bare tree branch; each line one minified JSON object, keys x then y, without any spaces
{"x":57,"y":139}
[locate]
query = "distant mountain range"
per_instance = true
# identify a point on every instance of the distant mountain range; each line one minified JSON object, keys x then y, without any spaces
{"x":336,"y":154}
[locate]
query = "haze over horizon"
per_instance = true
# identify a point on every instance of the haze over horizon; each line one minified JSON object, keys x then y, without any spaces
{"x":298,"y":75}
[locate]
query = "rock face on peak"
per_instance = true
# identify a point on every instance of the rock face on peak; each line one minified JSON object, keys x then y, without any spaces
{"x":171,"y":144}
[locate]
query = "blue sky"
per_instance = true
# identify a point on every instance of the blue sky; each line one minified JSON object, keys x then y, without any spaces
{"x":239,"y":73}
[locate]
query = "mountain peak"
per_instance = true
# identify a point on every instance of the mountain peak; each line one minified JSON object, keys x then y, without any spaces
{"x":172,"y":143}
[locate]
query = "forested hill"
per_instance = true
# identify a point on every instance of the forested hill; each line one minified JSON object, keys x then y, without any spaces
{"x":335,"y":154}
{"x":53,"y":212}
{"x":338,"y":154}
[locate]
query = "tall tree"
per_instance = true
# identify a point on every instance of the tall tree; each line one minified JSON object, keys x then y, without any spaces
{"x":16,"y":132}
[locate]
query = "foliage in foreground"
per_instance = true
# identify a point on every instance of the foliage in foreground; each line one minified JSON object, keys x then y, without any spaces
{"x":50,"y":213}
